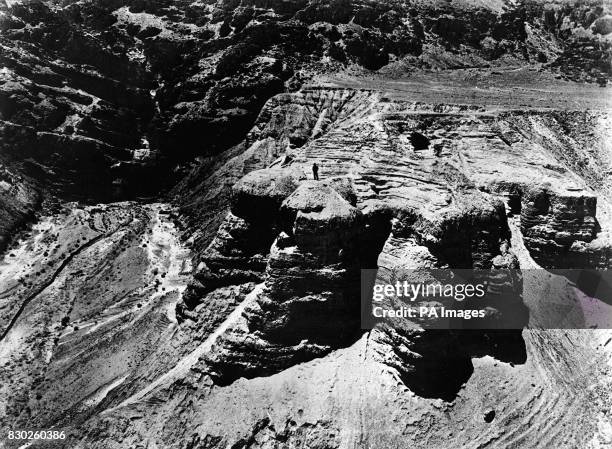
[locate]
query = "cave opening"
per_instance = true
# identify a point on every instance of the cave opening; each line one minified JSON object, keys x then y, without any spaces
{"x":419,"y":141}
{"x":489,"y":416}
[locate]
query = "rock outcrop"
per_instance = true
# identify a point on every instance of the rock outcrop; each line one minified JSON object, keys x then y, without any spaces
{"x":110,"y":101}
{"x":19,"y":199}
{"x":234,"y":319}
{"x":323,"y":232}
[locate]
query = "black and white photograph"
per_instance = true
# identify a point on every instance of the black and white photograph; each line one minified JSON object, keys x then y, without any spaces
{"x":306,"y":224}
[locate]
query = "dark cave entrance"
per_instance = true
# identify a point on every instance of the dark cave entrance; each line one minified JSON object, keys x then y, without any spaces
{"x":419,"y":141}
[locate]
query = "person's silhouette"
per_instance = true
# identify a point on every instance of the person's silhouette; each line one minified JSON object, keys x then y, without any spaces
{"x":315,"y":171}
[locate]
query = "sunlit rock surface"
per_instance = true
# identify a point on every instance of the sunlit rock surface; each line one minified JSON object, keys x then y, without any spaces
{"x":221,"y":306}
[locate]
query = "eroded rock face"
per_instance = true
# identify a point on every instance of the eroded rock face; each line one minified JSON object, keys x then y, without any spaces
{"x":66,"y":327}
{"x":73,"y":104}
{"x":327,"y":230}
{"x":260,"y":193}
{"x":19,"y":199}
{"x":310,"y":300}
{"x":108,"y":101}
{"x":560,"y":228}
{"x":413,"y":207}
{"x":275,"y":292}
{"x":107,"y":332}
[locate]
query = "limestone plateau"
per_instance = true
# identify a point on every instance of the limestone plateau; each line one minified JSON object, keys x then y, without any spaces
{"x":171,"y":276}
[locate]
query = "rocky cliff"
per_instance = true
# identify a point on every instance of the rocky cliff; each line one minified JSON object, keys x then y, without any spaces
{"x":220,"y":305}
{"x":107,"y":100}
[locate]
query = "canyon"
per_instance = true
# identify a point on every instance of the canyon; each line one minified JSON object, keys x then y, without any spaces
{"x":173,"y":276}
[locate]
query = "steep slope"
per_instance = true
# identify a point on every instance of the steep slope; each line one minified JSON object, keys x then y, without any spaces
{"x":74,"y":294}
{"x":264,"y":347}
{"x":113,"y":100}
{"x":19,"y":199}
{"x":233,"y":319}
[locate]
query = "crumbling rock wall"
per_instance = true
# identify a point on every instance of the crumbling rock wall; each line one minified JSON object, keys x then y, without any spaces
{"x":112,"y":100}
{"x":19,"y":199}
{"x":273,"y":308}
{"x":99,"y":97}
{"x":314,"y":236}
{"x":384,"y":202}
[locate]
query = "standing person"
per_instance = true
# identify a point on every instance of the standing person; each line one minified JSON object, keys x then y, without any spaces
{"x":315,"y":171}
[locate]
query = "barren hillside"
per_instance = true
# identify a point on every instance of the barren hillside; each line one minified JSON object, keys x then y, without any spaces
{"x":172,"y":276}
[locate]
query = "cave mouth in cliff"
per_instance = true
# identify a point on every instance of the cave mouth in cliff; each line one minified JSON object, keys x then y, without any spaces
{"x":419,"y":141}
